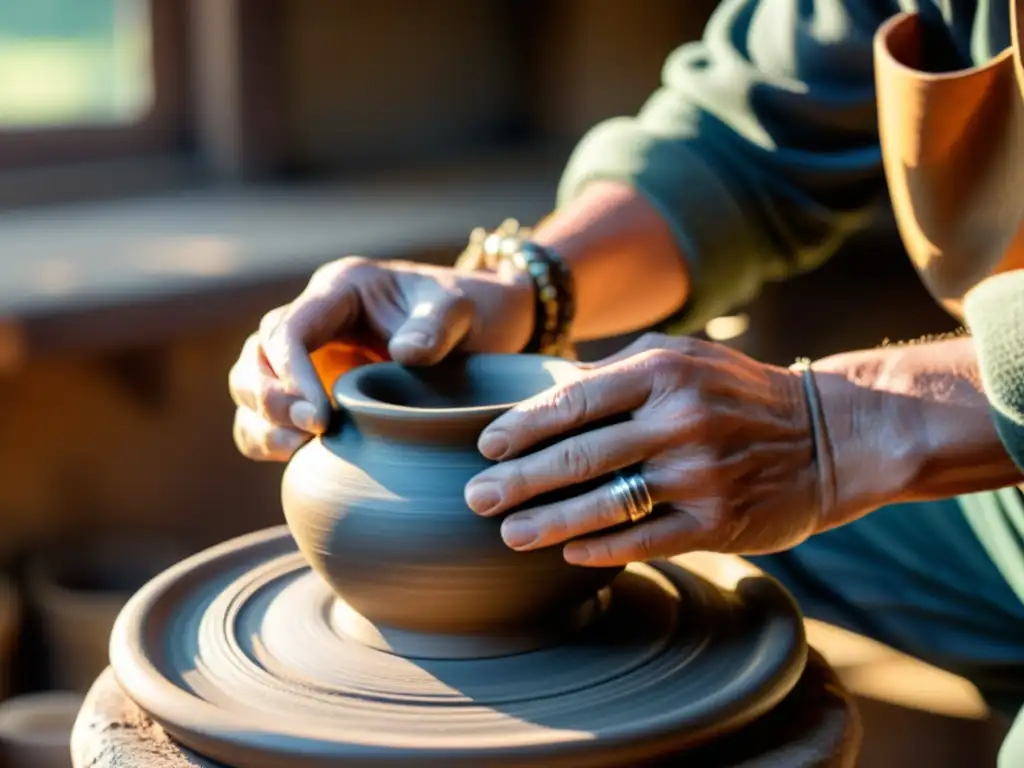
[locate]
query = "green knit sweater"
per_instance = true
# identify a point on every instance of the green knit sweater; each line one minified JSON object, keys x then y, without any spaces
{"x":761,"y":150}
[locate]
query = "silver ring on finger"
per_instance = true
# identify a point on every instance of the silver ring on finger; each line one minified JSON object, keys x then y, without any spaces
{"x":631,"y":494}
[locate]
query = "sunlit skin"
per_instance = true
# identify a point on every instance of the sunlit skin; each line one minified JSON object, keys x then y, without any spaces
{"x":724,"y":441}
{"x":725,"y":444}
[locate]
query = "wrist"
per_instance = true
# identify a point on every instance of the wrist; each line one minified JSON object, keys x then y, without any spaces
{"x":511,"y":254}
{"x":917,"y":416}
{"x":874,"y":443}
{"x":618,"y":248}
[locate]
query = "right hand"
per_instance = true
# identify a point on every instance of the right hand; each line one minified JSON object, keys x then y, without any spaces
{"x":422,"y":312}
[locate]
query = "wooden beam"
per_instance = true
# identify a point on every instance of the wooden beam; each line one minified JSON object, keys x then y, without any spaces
{"x":237,"y":74}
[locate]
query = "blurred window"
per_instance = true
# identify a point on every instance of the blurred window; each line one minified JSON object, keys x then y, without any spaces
{"x":91,"y":80}
{"x":74,"y":63}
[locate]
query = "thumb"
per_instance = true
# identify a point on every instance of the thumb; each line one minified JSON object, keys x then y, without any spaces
{"x":438,"y":321}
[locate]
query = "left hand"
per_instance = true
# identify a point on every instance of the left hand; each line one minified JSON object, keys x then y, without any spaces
{"x":723,"y":442}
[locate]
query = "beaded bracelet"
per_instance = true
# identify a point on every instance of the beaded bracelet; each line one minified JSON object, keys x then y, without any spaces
{"x":508,"y":247}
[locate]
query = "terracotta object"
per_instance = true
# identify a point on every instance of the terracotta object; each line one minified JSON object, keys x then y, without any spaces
{"x":377,"y":508}
{"x":953,"y":151}
{"x":78,"y":586}
{"x":35,"y":729}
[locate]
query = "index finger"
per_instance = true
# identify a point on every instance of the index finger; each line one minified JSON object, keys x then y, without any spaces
{"x":318,"y":314}
{"x":598,"y":395}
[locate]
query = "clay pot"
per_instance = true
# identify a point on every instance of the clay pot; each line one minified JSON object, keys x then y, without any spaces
{"x":35,"y":729}
{"x":377,"y":507}
{"x":78,"y":587}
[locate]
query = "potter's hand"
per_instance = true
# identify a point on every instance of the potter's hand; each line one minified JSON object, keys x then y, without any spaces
{"x":724,"y":443}
{"x":422,"y":312}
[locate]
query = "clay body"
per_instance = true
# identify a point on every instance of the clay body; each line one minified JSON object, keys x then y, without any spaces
{"x":389,"y":625}
{"x":377,"y":507}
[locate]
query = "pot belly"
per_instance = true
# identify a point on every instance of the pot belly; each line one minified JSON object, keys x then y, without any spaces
{"x":391,"y":533}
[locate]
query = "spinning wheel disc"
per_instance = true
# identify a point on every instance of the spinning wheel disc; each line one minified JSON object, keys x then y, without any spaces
{"x":237,"y":653}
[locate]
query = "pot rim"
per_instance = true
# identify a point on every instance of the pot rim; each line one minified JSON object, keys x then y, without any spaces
{"x":349,"y":396}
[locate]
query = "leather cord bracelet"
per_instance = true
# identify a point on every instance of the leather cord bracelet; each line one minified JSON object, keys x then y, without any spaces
{"x":821,"y":445}
{"x":509,"y":248}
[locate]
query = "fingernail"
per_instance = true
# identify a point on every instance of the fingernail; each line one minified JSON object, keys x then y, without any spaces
{"x":415,"y":339}
{"x":483,"y":498}
{"x":518,"y":532}
{"x":304,"y":416}
{"x":576,"y":555}
{"x":494,"y":444}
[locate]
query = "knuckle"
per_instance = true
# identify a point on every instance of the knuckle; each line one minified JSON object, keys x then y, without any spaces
{"x":274,"y":405}
{"x":271,"y":319}
{"x":516,"y":484}
{"x":351,"y":261}
{"x":664,"y":428}
{"x":644,"y":545}
{"x":271,"y":326}
{"x":263,"y":393}
{"x":570,"y":403}
{"x":278,"y":441}
{"x":245,"y":366}
{"x":324,"y":276}
{"x":237,"y":382}
{"x":556,"y":524}
{"x":328,"y":274}
{"x":278,"y":347}
{"x":663,"y":359}
{"x":250,"y":348}
{"x":243,"y":438}
{"x":576,"y":459}
{"x":243,"y":362}
{"x":601,"y":551}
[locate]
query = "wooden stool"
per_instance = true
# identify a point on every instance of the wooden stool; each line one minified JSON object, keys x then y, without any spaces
{"x":816,"y":725}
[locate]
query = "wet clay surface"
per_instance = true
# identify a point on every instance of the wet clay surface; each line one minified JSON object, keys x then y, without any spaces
{"x":237,"y":654}
{"x":389,"y":625}
{"x":377,"y":507}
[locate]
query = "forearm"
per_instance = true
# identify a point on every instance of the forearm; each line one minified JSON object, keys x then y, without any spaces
{"x":911,"y":422}
{"x":744,"y":190}
{"x":628,"y":271}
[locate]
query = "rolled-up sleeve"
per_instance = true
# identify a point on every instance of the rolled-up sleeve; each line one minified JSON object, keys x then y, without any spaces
{"x":760,"y":148}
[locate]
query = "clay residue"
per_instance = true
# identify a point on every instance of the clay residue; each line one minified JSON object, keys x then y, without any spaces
{"x":112,"y":732}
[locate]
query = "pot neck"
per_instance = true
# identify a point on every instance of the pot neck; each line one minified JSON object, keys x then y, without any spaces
{"x":454,"y":428}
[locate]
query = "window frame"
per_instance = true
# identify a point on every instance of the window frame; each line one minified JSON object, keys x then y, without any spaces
{"x":160,"y":131}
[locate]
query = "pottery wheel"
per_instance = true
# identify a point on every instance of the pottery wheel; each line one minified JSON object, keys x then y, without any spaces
{"x":237,"y":652}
